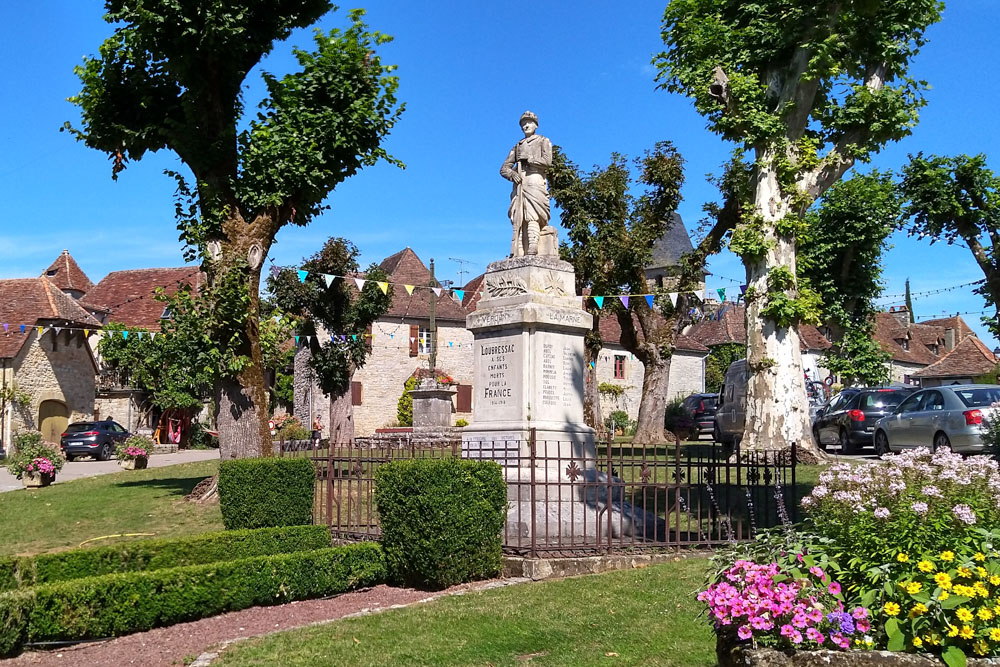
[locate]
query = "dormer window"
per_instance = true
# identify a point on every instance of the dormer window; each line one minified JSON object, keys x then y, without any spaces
{"x":903,"y":343}
{"x":51,"y":272}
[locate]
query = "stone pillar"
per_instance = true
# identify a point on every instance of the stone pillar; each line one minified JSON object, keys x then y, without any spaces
{"x":432,"y":404}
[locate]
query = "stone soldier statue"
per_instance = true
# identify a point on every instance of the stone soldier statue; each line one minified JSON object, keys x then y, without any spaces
{"x":525,"y":166}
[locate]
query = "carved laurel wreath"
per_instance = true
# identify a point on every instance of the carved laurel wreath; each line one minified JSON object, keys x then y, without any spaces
{"x":506,"y":287}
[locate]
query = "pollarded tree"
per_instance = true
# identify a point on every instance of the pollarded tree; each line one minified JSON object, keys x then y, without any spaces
{"x":840,"y":258}
{"x":958,"y":199}
{"x":806,"y":88}
{"x":171,"y":77}
{"x":340,"y":312}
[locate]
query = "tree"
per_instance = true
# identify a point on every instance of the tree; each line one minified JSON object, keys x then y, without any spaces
{"x":840,"y":259}
{"x":806,"y":89}
{"x":719,"y":359}
{"x":172,"y":77}
{"x":337,"y":320}
{"x":958,"y":199}
{"x":609,"y":240}
{"x":909,"y":302}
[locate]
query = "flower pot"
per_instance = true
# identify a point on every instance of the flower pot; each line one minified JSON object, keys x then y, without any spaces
{"x":134,"y":464}
{"x":34,"y":481}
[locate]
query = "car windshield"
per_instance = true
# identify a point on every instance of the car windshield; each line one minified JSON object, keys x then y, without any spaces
{"x":884,"y":400}
{"x":80,"y":427}
{"x":708,"y":402}
{"x":978,"y":398}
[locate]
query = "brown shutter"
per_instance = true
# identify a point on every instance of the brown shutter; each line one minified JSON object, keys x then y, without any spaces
{"x":464,"y":398}
{"x":414,"y":342}
{"x":368,"y":337}
{"x":355,"y":393}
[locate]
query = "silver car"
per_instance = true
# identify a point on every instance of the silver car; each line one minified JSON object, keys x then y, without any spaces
{"x":948,"y":417}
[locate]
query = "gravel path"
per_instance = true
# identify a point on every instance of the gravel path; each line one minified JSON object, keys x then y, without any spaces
{"x":171,"y":645}
{"x":91,"y":468}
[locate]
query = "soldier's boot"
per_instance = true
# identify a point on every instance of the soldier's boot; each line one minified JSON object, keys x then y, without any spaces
{"x":533,"y":232}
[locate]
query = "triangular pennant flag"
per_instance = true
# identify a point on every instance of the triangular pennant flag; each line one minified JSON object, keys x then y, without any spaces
{"x":392,"y":336}
{"x":409,"y":289}
{"x":125,"y":335}
{"x":58,"y":330}
{"x":384,"y":286}
{"x":673,"y":299}
{"x":302,"y":275}
{"x":296,"y":341}
{"x":343,"y":338}
{"x":599,"y":300}
{"x":354,"y":336}
{"x":275,"y":270}
{"x":624,"y":300}
{"x":360,"y":282}
{"x":328,"y":278}
{"x":649,"y":300}
{"x":450,"y":343}
{"x":308,"y":339}
{"x":460,"y":293}
{"x":152,"y":335}
{"x":437,"y":291}
{"x":743,"y":289}
{"x":722,"y":293}
{"x":22,"y":328}
{"x":592,"y":364}
{"x":140,"y":335}
{"x":333,"y":339}
{"x":86,"y":332}
{"x":5,"y":327}
{"x":412,"y":339}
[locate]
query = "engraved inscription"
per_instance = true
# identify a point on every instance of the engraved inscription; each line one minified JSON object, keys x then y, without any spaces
{"x":551,"y":374}
{"x":496,"y":359}
{"x":490,"y":318}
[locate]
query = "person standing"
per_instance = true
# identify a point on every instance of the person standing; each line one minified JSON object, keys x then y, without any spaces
{"x":525,"y":166}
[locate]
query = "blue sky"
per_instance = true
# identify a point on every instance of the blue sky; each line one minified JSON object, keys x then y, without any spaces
{"x":467,"y":70}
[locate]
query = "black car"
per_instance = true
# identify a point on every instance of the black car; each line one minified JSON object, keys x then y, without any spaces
{"x":700,"y":408}
{"x":97,"y":439}
{"x":848,"y":419}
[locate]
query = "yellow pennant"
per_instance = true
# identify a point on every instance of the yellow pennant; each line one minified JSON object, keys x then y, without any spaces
{"x":409,"y":289}
{"x":86,"y":333}
{"x":384,"y":287}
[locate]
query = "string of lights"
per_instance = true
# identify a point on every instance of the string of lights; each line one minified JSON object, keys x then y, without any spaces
{"x":930,"y":292}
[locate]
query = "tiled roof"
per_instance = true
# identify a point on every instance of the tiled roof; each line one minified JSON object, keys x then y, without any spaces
{"x":671,"y":245}
{"x":888,"y":330}
{"x":406,"y":268}
{"x":473,"y":292}
{"x":129,"y":296}
{"x":955,"y":322}
{"x":31,"y":301}
{"x":969,"y":359}
{"x":731,"y":328}
{"x":611,"y":333}
{"x":66,"y":274}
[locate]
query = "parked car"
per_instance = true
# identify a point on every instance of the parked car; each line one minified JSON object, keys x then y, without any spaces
{"x":700,"y":408}
{"x":730,"y":412}
{"x":848,"y":419}
{"x":949,"y":417}
{"x":97,"y":439}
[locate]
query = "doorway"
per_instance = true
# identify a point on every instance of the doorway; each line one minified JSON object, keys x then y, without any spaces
{"x":53,"y":418}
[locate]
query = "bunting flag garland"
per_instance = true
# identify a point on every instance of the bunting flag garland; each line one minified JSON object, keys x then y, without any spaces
{"x":409,"y":289}
{"x":302,"y":275}
{"x":460,"y":293}
{"x":624,"y":300}
{"x":296,"y":341}
{"x":384,"y":286}
{"x":599,"y":300}
{"x":275,"y":270}
{"x":673,"y":299}
{"x":437,"y":291}
{"x":722,"y":293}
{"x":124,"y":333}
{"x":592,"y":364}
{"x":328,"y":278}
{"x":360,"y":282}
{"x":649,"y":300}
{"x":5,"y":326}
{"x":743,"y":289}
{"x":22,"y":328}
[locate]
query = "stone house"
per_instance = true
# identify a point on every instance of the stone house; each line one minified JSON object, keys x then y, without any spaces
{"x":915,"y":346}
{"x":968,"y":360}
{"x":44,"y":353}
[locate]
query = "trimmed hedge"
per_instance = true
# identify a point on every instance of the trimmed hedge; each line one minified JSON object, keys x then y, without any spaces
{"x":258,"y":493}
{"x":120,"y":604}
{"x":24,"y":572}
{"x":441,"y":520}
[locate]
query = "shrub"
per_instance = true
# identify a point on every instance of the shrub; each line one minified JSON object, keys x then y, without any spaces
{"x":617,"y":421}
{"x":676,"y":419}
{"x":34,"y":456}
{"x":257,"y":493}
{"x":145,"y":555}
{"x":200,"y":438}
{"x":119,"y":604}
{"x":441,"y":520}
{"x":136,"y":447}
{"x":404,"y":407}
{"x":290,"y":428}
{"x":461,"y":423}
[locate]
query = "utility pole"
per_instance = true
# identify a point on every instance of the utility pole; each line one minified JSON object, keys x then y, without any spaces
{"x":461,"y":268}
{"x":433,"y":324}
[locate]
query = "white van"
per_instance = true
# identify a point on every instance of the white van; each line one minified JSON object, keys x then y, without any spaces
{"x":731,"y":413}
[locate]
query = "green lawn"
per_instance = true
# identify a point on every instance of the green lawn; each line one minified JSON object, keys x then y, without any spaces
{"x":143,"y":501}
{"x":635,"y":617}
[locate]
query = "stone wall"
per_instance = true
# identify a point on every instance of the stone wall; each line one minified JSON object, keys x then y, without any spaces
{"x":898,"y":371}
{"x":687,"y":376}
{"x":58,"y":367}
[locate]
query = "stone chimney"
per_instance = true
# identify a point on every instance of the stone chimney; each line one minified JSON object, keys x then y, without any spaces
{"x":901,"y":314}
{"x":949,"y":339}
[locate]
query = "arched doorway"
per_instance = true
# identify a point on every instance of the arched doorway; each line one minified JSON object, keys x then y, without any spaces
{"x":53,"y":417}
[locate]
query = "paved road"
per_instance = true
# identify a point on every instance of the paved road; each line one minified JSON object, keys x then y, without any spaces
{"x":88,"y":468}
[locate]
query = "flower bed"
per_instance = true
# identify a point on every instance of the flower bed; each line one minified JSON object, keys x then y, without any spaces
{"x":35,"y":462}
{"x":133,"y":454}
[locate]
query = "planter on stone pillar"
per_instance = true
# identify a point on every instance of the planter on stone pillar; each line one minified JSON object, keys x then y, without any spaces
{"x":34,"y":481}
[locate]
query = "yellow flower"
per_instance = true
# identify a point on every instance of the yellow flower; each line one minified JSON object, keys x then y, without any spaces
{"x":965,"y":591}
{"x":918,"y":642}
{"x":925,"y":566}
{"x":996,"y":610}
{"x":914,"y":587}
{"x":952,"y":631}
{"x":981,"y":590}
{"x":979,"y":557}
{"x":902,"y":558}
{"x":994,"y":580}
{"x":918,"y":609}
{"x":963,"y":614}
{"x":995,"y":634}
{"x":944,"y":595}
{"x":980,"y":647}
{"x":966,"y":632}
{"x":891,"y":608}
{"x":947,"y":556}
{"x":933,"y":639}
{"x":981,"y":571}
{"x":964,"y":572}
{"x":984,"y":614}
{"x":943,"y":579}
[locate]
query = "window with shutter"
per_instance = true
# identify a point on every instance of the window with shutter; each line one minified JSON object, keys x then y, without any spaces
{"x":463,"y":400}
{"x":356,"y":393}
{"x":414,"y":340}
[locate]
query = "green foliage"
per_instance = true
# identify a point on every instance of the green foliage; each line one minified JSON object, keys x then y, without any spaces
{"x":611,"y":389}
{"x":953,"y":199}
{"x":857,"y":357}
{"x":617,"y":421}
{"x":200,"y":438}
{"x":719,"y":359}
{"x":461,"y":423}
{"x":290,"y":428}
{"x":338,"y":309}
{"x":134,"y":442}
{"x":749,"y":242}
{"x":404,"y":407}
{"x":119,"y":604}
{"x":147,"y":555}
{"x":677,"y":420}
{"x":257,"y":493}
{"x":442,"y":520}
{"x":28,"y":446}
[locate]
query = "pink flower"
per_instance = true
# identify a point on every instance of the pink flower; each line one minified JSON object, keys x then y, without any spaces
{"x":863,"y":626}
{"x":834,"y":588}
{"x":760,"y":623}
{"x":815,"y":635}
{"x":800,"y":620}
{"x":797,"y":638}
{"x":859,"y":613}
{"x":817,"y":572}
{"x":787,"y":630}
{"x":744,"y":632}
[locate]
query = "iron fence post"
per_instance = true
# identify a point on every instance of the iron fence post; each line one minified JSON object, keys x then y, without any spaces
{"x":795,"y":489}
{"x":609,"y":505}
{"x":531,"y":492}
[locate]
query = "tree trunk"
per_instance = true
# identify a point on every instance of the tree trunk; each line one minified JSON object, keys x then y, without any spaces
{"x":342,"y":419}
{"x":653,"y":404}
{"x":592,"y":414}
{"x":777,"y":408}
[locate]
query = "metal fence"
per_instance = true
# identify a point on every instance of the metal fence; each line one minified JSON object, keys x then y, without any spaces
{"x":566,"y":498}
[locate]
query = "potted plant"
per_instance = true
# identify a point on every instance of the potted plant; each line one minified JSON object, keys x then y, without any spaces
{"x":35,"y":463}
{"x":133,"y":454}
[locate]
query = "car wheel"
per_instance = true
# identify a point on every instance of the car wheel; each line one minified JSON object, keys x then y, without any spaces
{"x":845,"y":442}
{"x":881,"y":443}
{"x":716,"y":433}
{"x":106,"y":452}
{"x":819,"y":440}
{"x":70,"y":457}
{"x":941,"y":441}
